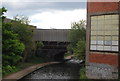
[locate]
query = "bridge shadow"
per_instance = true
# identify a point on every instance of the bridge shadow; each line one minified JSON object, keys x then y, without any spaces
{"x":53,"y":50}
{"x":59,"y":56}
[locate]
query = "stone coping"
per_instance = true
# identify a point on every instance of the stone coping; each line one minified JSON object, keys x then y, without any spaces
{"x":26,"y":71}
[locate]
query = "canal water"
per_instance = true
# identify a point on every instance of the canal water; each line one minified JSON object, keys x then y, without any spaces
{"x":64,"y":71}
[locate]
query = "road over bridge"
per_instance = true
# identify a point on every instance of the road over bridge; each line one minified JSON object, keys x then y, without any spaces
{"x":55,"y":42}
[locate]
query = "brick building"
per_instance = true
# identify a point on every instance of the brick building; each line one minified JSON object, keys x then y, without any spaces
{"x":103,"y":40}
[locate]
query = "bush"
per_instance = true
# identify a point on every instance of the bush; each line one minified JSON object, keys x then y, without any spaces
{"x":82,"y":73}
{"x":12,"y":49}
{"x":77,"y":38}
{"x":79,"y":51}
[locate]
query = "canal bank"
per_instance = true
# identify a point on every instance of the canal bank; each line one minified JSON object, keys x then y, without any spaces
{"x":18,"y":75}
{"x":24,"y":72}
{"x":67,"y":69}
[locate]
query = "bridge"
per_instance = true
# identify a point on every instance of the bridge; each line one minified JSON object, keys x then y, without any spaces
{"x":55,"y":42}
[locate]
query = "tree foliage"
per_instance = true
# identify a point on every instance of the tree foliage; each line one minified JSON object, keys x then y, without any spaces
{"x":2,"y":11}
{"x":20,"y":25}
{"x":77,"y":32}
{"x":22,"y":19}
{"x":39,"y":45}
{"x":79,"y":50}
{"x":77,"y":37}
{"x":17,"y":42}
{"x":12,"y":48}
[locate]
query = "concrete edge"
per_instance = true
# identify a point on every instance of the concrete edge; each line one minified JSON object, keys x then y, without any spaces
{"x":26,"y":71}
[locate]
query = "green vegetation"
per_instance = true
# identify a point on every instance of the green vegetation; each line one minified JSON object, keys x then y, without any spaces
{"x":12,"y":49}
{"x":18,"y":45}
{"x":20,"y":25}
{"x":82,"y":73}
{"x":31,"y":61}
{"x":2,"y":10}
{"x":77,"y":46}
{"x":77,"y":37}
{"x":79,"y":50}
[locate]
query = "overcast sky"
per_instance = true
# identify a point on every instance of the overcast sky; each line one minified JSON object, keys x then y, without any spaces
{"x":47,"y":15}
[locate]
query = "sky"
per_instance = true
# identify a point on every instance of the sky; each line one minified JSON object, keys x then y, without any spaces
{"x":47,"y":15}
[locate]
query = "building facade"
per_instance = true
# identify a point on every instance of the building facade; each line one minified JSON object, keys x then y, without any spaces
{"x":103,"y":40}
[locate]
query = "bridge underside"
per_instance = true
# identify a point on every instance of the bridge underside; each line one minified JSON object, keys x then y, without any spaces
{"x":53,"y":50}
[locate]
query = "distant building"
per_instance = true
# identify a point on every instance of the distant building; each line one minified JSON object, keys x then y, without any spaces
{"x":103,"y":40}
{"x":6,"y":20}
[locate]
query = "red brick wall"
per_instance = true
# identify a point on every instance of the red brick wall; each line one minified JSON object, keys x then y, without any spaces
{"x":101,"y":57}
{"x":95,"y":7}
{"x":111,"y":59}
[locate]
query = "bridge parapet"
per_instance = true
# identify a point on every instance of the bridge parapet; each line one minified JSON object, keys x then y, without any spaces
{"x":59,"y":35}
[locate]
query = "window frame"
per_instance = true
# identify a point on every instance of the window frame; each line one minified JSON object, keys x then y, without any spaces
{"x":105,"y":35}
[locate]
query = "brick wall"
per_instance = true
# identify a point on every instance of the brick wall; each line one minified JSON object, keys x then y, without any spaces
{"x":101,"y":65}
{"x":95,"y":7}
{"x":102,"y":7}
{"x":107,"y":58}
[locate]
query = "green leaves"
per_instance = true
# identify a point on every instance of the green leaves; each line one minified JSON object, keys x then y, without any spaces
{"x":79,"y":50}
{"x":22,"y":19}
{"x":77,"y":37}
{"x":8,"y":69}
{"x":40,"y":45}
{"x":2,"y":10}
{"x":77,"y":32}
{"x":25,"y":34}
{"x":12,"y":48}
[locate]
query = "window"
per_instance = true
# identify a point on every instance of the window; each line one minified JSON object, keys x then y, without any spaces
{"x":104,"y":33}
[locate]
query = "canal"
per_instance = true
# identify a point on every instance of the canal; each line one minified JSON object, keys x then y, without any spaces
{"x":64,"y":71}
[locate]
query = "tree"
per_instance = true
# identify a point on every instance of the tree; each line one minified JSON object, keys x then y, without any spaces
{"x":20,"y":25}
{"x":2,"y":11}
{"x":79,"y":50}
{"x":77,"y":32}
{"x":12,"y":48}
{"x":22,"y":19}
{"x":77,"y":38}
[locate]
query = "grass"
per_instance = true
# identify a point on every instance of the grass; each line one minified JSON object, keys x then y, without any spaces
{"x":82,"y":73}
